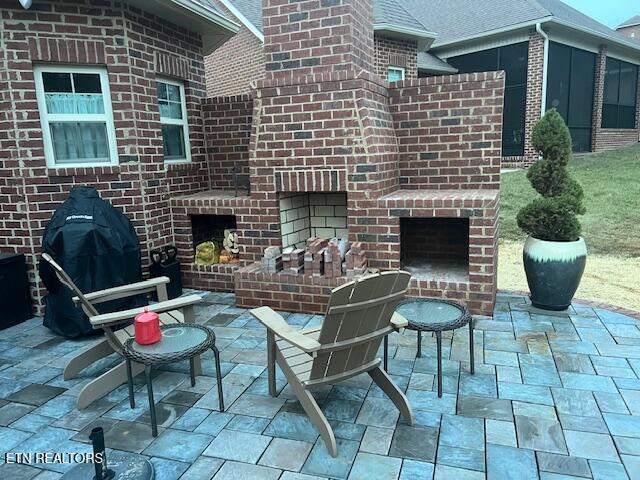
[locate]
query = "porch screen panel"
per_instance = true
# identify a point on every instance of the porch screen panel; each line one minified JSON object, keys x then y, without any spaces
{"x":620,"y":95}
{"x":513,"y":60}
{"x":570,"y":87}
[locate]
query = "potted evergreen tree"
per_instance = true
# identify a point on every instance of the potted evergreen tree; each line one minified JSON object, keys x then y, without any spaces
{"x":554,"y":253}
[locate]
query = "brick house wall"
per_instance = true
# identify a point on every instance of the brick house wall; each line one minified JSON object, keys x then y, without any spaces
{"x":397,"y":53}
{"x":232,"y":68}
{"x":134,"y":46}
{"x":633,"y":31}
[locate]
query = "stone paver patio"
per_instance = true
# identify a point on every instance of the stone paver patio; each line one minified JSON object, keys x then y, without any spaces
{"x":553,"y":397}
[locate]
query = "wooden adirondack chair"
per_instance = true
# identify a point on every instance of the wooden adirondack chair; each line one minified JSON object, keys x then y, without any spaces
{"x":170,"y":311}
{"x":359,"y":315}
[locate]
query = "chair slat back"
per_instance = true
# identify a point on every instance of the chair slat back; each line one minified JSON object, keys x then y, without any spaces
{"x":89,"y":309}
{"x":356,"y":309}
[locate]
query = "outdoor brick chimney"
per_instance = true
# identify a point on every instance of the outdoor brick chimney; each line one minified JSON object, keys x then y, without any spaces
{"x":409,"y":171}
{"x":317,"y":36}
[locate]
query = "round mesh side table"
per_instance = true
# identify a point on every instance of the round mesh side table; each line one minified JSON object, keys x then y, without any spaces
{"x":179,"y":342}
{"x":434,"y":315}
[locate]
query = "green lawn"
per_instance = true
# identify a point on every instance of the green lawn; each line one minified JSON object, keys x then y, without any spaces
{"x":611,"y":181}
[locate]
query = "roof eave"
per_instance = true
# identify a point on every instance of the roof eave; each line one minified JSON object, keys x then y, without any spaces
{"x":209,"y":15}
{"x":620,"y":42}
{"x":423,"y":38}
{"x":437,"y":70}
{"x":243,"y":19}
{"x":496,"y":31}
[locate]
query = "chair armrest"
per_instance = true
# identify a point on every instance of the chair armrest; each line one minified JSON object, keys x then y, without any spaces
{"x":124,"y":291}
{"x":116,"y":317}
{"x":275,"y":323}
{"x":398,"y":321}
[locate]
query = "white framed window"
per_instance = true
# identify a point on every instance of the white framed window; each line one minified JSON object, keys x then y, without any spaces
{"x":173,"y":117}
{"x":395,"y":74}
{"x":76,"y":115}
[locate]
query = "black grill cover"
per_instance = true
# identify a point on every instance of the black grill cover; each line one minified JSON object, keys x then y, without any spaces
{"x":97,"y":246}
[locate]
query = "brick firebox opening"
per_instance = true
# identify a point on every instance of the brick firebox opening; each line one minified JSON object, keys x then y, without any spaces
{"x":435,"y":248}
{"x":305,"y":215}
{"x":205,"y":228}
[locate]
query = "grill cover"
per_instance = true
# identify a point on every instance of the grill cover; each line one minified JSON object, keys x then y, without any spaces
{"x":97,"y":246}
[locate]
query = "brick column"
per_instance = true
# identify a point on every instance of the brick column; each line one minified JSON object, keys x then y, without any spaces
{"x":598,"y":96}
{"x":533,"y":112}
{"x":311,"y":37}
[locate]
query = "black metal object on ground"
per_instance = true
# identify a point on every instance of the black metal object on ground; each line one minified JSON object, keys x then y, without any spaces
{"x":167,"y":266}
{"x":14,"y":290}
{"x":122,"y":465}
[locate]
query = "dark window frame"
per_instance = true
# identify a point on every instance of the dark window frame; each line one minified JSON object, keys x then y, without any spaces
{"x":612,"y":112}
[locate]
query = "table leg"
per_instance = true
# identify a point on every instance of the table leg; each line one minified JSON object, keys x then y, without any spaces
{"x":192,"y":371}
{"x":152,"y":405}
{"x":386,"y":351}
{"x":439,"y":347}
{"x":471,"y":356}
{"x":132,"y":402}
{"x":419,"y":344}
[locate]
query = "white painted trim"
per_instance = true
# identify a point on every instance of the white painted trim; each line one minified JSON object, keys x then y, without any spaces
{"x":46,"y":118}
{"x":184,"y":121}
{"x":244,"y":20}
{"x":624,"y":58}
{"x":544,"y":251}
{"x":206,"y":13}
{"x":489,"y":33}
{"x":608,"y":40}
{"x":572,"y":42}
{"x":512,"y":39}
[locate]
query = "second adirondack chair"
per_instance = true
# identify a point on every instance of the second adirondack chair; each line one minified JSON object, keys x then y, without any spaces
{"x":359,"y":315}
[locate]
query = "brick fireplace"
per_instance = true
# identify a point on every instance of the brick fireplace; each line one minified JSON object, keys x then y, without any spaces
{"x":409,"y":171}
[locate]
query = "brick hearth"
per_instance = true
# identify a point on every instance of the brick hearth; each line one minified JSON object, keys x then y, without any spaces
{"x":322,"y":129}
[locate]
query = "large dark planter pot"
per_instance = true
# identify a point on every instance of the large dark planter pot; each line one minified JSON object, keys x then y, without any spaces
{"x":554,"y":270}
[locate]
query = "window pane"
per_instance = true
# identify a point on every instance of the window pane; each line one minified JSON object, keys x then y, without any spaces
{"x":87,"y":83}
{"x":79,"y":141}
{"x":515,"y":101}
{"x":170,"y":109}
{"x":173,"y":93}
{"x":162,"y":90}
{"x":395,"y":74}
{"x":173,"y":141}
{"x":628,"y":81}
{"x":74,"y":104}
{"x":611,"y":81}
{"x":513,"y":60}
{"x":56,"y":82}
{"x":609,"y":116}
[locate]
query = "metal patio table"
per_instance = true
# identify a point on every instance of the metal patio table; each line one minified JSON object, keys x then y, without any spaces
{"x":179,"y":342}
{"x":434,"y":315}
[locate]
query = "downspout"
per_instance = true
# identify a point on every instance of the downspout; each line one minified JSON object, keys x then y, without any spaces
{"x":545,"y":65}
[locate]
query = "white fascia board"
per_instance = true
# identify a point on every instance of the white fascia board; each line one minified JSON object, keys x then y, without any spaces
{"x":496,"y":31}
{"x":207,"y":14}
{"x":630,"y":44}
{"x":424,"y":38}
{"x":242,"y":19}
